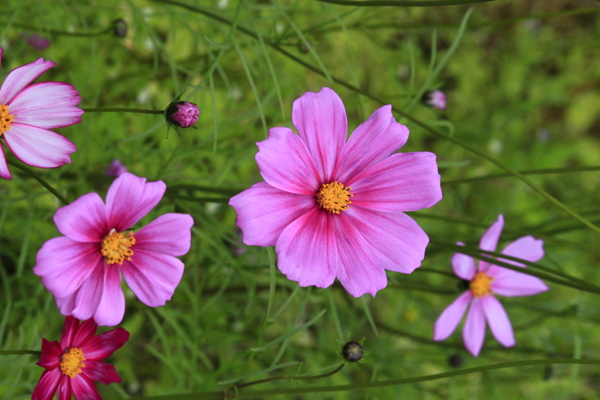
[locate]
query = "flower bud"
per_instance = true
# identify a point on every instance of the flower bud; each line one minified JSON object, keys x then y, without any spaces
{"x":115,"y":168}
{"x":182,"y":114}
{"x":38,"y":42}
{"x":352,"y":351}
{"x":120,"y":27}
{"x":436,"y":99}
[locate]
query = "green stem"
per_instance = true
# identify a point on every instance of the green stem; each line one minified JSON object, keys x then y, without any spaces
{"x":131,"y":110}
{"x":11,"y":352}
{"x":525,"y":172}
{"x":290,"y":377}
{"x":41,"y":180}
{"x":403,"y":3}
{"x":64,"y":33}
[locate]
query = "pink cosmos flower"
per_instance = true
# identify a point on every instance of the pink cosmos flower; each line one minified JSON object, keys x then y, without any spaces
{"x":75,"y":363}
{"x":334,"y":207}
{"x":83,"y":268}
{"x":486,"y":280}
{"x":436,"y":99}
{"x":28,"y":111}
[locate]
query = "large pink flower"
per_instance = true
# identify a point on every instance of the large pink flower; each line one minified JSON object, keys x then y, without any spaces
{"x":28,"y":111}
{"x":75,"y":363}
{"x":485,"y":280}
{"x":334,"y":207}
{"x":83,"y":268}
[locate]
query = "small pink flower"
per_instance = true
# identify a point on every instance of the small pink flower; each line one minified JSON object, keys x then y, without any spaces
{"x":115,"y":168}
{"x":436,"y":99}
{"x":75,"y":363}
{"x":486,"y":280}
{"x":38,"y":42}
{"x":334,"y":207}
{"x":28,"y":111}
{"x":83,"y":268}
{"x":183,"y":114}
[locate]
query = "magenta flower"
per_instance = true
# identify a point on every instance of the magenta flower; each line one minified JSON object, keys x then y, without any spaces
{"x":38,"y":42}
{"x":75,"y":363}
{"x":116,"y":168}
{"x":334,"y":207}
{"x":485,"y":281}
{"x":28,"y":111}
{"x":436,"y":99}
{"x":83,"y":268}
{"x":182,"y":114}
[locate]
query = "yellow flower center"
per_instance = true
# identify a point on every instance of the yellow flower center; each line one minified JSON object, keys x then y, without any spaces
{"x":334,"y":197}
{"x":5,"y":119}
{"x":481,"y":285}
{"x":71,"y":362}
{"x":116,"y":247}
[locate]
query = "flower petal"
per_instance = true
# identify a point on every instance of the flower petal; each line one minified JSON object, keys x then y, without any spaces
{"x":463,"y":265}
{"x":51,"y":352}
{"x":498,"y":321}
{"x":403,"y":182}
{"x":359,"y":270}
{"x":90,"y":293}
{"x":372,"y":142}
{"x":4,"y":171}
{"x":398,"y":241}
{"x":22,"y":76}
{"x":514,"y":284}
{"x":153,"y":277}
{"x":47,"y":105}
{"x":489,"y":240}
{"x":527,"y":248}
{"x":168,"y":234}
{"x":66,"y":304}
{"x":69,"y":331}
{"x":263,"y":212}
{"x":39,"y":147}
{"x":102,"y":346}
{"x":130,"y":198}
{"x":307,"y":250}
{"x":64,"y":388}
{"x":285,"y":163}
{"x":84,"y":220}
{"x":320,"y":119}
{"x":84,"y":388}
{"x":111,"y":307}
{"x":474,"y":329}
{"x":65,"y":265}
{"x":101,"y":372}
{"x":46,"y":386}
{"x":451,"y":316}
{"x":87,"y":330}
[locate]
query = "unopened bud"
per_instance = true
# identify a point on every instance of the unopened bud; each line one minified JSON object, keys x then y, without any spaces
{"x":436,"y":99}
{"x":352,"y":351}
{"x":182,"y":114}
{"x":120,"y":27}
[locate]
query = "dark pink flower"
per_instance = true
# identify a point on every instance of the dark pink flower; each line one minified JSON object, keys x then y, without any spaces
{"x":38,"y":42}
{"x":75,"y":363}
{"x":115,"y":168}
{"x":28,"y":111}
{"x":83,"y":268}
{"x":183,"y":114}
{"x":436,"y":99}
{"x":334,"y":207}
{"x":485,"y":280}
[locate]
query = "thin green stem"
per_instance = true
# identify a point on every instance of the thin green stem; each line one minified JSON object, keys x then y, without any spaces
{"x":131,"y":110}
{"x":63,"y":33}
{"x":41,"y":180}
{"x":403,"y":3}
{"x":12,"y":352}
{"x":524,"y":172}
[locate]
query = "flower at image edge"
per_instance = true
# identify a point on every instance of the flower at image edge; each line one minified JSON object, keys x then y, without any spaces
{"x":485,"y":281}
{"x":83,"y":268}
{"x":334,"y":207}
{"x":75,"y":363}
{"x":27,"y":112}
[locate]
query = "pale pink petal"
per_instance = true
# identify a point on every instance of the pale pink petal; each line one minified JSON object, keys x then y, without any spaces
{"x":102,"y":346}
{"x":65,"y":265}
{"x":403,"y":182}
{"x":22,"y":76}
{"x":527,"y":248}
{"x":359,"y":271}
{"x":474,"y":329}
{"x":153,"y":277}
{"x":84,"y":388}
{"x":84,"y":220}
{"x":372,"y":142}
{"x":101,"y":372}
{"x":168,"y":234}
{"x":514,"y":284}
{"x":320,"y":119}
{"x":398,"y":241}
{"x":66,"y":304}
{"x":64,"y":388}
{"x":263,"y":212}
{"x":51,"y":352}
{"x":4,"y":171}
{"x":39,"y":147}
{"x":463,"y":265}
{"x":47,"y":105}
{"x":46,"y":386}
{"x":111,"y":307}
{"x":285,"y":163}
{"x":451,"y":316}
{"x":87,"y":330}
{"x":489,"y":240}
{"x":90,"y":294}
{"x":130,"y":198}
{"x":307,"y":250}
{"x":498,"y":321}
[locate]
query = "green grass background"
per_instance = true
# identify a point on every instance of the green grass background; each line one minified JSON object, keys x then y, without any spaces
{"x":523,"y":86}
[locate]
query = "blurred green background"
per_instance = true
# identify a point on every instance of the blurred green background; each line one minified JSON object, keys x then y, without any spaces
{"x":523,"y":85}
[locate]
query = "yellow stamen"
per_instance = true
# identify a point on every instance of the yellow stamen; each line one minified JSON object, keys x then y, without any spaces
{"x":334,"y":197}
{"x":5,"y":119}
{"x":481,"y":285}
{"x":71,"y":362}
{"x":116,"y":247}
